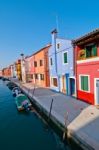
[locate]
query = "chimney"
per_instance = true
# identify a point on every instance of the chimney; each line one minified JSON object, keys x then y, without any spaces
{"x":54,"y":36}
{"x":22,"y":56}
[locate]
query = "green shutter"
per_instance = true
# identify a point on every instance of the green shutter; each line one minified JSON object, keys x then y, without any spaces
{"x":94,"y":50}
{"x":91,"y":51}
{"x":65,"y":57}
{"x":87,"y":53}
{"x":82,"y":82}
{"x":85,"y":83}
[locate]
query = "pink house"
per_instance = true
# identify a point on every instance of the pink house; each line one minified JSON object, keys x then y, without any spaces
{"x":29,"y":61}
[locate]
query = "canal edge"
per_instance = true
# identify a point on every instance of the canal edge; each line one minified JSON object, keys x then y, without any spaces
{"x":71,"y":137}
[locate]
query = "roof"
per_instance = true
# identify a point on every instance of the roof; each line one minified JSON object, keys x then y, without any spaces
{"x":48,"y":45}
{"x":90,"y":35}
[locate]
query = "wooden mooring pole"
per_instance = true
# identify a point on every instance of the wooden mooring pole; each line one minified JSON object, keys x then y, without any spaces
{"x":50,"y":110}
{"x":33,"y":91}
{"x":28,"y":91}
{"x":65,"y":129}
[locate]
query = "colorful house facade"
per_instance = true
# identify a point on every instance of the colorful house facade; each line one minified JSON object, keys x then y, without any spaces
{"x":86,"y":51}
{"x":18,"y":69}
{"x":29,"y":68}
{"x":37,"y":68}
{"x":6,"y":72}
{"x":61,"y":65}
{"x":13,"y":70}
{"x":0,"y":73}
{"x":41,"y":67}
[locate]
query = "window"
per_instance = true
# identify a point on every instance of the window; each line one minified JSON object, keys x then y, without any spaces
{"x":55,"y":82}
{"x":31,"y":76}
{"x":36,"y":76}
{"x":42,"y":76}
{"x":35,"y":63}
{"x":58,"y":45}
{"x":91,"y":51}
{"x":41,"y":62}
{"x":51,"y":61}
{"x":65,"y":57}
{"x":84,"y":83}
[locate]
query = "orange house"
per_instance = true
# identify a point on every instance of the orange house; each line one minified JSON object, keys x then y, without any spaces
{"x":41,"y":67}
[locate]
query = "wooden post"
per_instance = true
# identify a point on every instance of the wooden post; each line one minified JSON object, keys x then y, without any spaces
{"x":50,"y":110}
{"x":33,"y":91}
{"x":28,"y":91}
{"x":65,"y":129}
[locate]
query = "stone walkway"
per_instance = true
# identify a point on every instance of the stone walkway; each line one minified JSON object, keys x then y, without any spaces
{"x":83,"y":119}
{"x":62,"y":104}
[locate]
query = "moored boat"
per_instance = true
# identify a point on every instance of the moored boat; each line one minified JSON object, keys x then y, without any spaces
{"x":1,"y":77}
{"x":5,"y":79}
{"x":16,"y":91}
{"x":11,"y":85}
{"x":22,"y":102}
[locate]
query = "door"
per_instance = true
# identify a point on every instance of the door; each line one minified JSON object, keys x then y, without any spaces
{"x":64,"y":84}
{"x":61,"y":84}
{"x":47,"y":79}
{"x":72,"y":87}
{"x":97,"y":92}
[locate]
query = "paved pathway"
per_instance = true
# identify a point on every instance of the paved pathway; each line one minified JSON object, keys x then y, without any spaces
{"x":61,"y":105}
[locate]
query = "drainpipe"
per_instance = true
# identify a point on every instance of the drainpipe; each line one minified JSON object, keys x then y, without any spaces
{"x":54,"y":37}
{"x":55,"y":57}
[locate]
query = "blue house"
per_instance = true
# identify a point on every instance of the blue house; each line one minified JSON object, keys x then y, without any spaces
{"x":61,"y":65}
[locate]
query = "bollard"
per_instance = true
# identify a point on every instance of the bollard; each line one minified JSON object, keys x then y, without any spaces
{"x":50,"y":110}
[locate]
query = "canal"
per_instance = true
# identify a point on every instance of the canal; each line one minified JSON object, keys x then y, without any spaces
{"x":22,"y":131}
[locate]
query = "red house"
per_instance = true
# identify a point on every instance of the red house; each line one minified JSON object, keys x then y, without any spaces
{"x":86,"y":51}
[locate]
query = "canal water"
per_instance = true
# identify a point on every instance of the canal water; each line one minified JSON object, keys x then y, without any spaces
{"x":22,"y":131}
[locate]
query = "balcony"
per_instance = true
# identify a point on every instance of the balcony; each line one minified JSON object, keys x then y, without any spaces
{"x":81,"y":54}
{"x":87,"y":54}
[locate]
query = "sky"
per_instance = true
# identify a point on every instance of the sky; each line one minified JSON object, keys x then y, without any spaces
{"x":26,"y":25}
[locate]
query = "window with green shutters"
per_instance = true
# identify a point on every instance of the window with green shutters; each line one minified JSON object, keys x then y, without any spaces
{"x":65,"y":57}
{"x":94,"y":50}
{"x":91,"y":51}
{"x":84,"y":83}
